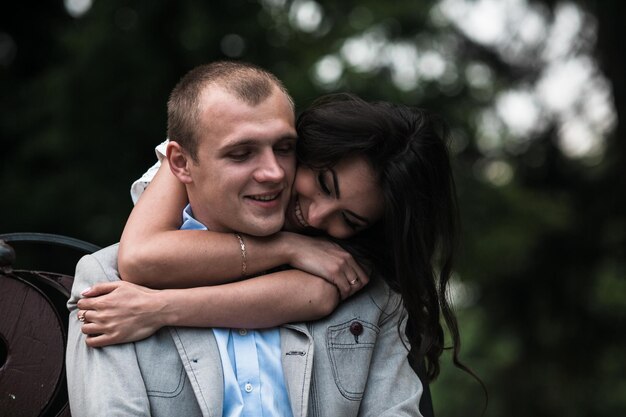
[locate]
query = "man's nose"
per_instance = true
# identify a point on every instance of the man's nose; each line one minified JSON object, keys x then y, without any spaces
{"x":269,"y":169}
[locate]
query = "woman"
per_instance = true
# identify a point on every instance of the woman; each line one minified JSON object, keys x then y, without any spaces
{"x":397,"y":216}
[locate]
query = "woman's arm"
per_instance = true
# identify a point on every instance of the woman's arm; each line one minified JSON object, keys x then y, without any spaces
{"x":153,"y":252}
{"x":121,"y":312}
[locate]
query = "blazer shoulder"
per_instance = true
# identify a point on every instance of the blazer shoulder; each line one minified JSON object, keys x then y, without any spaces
{"x":105,"y":259}
{"x":107,"y":256}
{"x":97,"y":267}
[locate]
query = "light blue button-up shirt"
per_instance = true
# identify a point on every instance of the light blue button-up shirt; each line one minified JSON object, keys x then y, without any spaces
{"x":254,"y":384}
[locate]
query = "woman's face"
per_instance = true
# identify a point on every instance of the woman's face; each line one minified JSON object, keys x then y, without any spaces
{"x":339,"y":201}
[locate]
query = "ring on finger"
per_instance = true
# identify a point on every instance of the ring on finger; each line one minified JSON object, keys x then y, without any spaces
{"x":81,"y":317}
{"x":354,"y":281}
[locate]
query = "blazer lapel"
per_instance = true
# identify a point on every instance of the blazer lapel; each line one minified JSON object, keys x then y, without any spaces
{"x":297,"y":358}
{"x":201,"y":358}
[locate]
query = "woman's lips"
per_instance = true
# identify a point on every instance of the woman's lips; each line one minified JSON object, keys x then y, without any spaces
{"x":298,"y":212}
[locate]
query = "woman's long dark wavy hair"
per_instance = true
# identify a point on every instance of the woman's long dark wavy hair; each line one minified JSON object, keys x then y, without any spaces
{"x":413,"y":246}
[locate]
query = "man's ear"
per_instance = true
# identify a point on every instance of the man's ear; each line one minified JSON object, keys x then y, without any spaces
{"x":179,"y":162}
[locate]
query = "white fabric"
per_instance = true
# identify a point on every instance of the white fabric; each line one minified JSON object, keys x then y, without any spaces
{"x":138,"y":187}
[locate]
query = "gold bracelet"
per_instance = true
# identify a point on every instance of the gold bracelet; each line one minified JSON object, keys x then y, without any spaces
{"x":244,"y":256}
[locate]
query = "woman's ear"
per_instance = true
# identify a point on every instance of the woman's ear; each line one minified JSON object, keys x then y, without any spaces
{"x":179,"y":162}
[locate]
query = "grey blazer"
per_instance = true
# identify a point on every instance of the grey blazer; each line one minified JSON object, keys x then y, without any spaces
{"x":329,"y":371}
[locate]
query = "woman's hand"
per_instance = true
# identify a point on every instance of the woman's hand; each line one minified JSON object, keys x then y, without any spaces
{"x":119,"y":312}
{"x":327,"y":260}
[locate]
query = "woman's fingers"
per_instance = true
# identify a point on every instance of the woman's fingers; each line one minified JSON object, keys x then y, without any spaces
{"x":360,"y":273}
{"x":356,"y":276}
{"x":91,"y":329}
{"x":346,"y":273}
{"x":101,"y":340}
{"x":87,"y":317}
{"x":90,"y":294}
{"x":344,"y":286}
{"x":355,"y":282}
{"x":351,"y":282}
{"x":101,"y":288}
{"x":80,"y":315}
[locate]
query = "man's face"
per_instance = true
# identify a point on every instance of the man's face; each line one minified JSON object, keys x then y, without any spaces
{"x":246,"y":163}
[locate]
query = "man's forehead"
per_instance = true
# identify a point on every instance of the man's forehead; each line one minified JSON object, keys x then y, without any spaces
{"x":219,"y":103}
{"x":229,"y":120}
{"x":213,"y":94}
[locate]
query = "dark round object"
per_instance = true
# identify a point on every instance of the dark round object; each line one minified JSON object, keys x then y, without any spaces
{"x":356,"y":328}
{"x":7,"y":254}
{"x":33,"y":336}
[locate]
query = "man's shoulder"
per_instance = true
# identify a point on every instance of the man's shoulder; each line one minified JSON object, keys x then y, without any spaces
{"x":98,"y":267}
{"x":105,"y":260}
{"x":108,"y":253}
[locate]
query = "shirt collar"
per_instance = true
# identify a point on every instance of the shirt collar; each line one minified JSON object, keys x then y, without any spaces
{"x":189,"y":223}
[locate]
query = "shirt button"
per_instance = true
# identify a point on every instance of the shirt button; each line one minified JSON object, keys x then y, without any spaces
{"x":243,"y":332}
{"x":248,"y":387}
{"x":356,"y":328}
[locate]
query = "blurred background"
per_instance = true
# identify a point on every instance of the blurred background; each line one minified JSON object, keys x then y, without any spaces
{"x":534,"y":92}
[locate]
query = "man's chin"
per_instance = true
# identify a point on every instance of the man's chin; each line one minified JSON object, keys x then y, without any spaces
{"x":261,"y":229}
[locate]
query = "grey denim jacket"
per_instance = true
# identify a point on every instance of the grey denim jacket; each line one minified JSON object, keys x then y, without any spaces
{"x":352,"y":363}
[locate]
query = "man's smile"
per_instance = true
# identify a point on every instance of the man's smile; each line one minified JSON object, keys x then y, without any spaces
{"x":264,"y":197}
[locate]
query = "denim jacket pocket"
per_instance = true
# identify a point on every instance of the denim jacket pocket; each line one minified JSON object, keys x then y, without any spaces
{"x":350,"y":346}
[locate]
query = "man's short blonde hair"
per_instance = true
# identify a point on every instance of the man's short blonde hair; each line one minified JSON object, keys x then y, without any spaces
{"x":245,"y":81}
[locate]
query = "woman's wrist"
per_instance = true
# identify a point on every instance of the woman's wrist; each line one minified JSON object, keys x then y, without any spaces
{"x":286,"y":244}
{"x":169,"y":312}
{"x":191,"y":307}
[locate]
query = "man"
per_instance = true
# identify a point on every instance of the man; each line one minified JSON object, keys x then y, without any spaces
{"x":352,"y":363}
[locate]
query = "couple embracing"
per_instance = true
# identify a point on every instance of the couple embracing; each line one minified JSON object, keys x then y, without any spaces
{"x":273,"y":266}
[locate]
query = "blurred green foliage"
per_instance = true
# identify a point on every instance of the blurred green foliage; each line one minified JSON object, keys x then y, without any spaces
{"x":83,"y":105}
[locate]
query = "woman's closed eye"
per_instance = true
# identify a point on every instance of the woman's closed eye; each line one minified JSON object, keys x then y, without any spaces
{"x":322,"y":182}
{"x":352,"y":225}
{"x":321,"y":178}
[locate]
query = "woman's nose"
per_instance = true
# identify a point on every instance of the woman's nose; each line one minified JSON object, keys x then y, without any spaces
{"x":319,"y":213}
